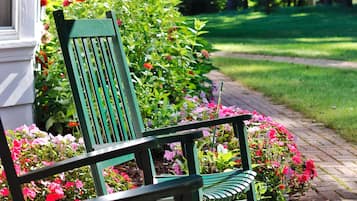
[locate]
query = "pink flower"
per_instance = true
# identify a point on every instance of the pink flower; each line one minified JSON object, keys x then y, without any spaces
{"x":69,"y":184}
{"x":275,"y":164}
{"x":272,"y":135}
{"x":169,"y":155}
{"x":4,"y":192}
{"x":206,"y":133}
{"x":125,"y":176}
{"x":297,"y":159}
{"x":177,"y":169}
{"x":29,"y":193}
{"x":292,"y":148}
{"x":79,"y":184}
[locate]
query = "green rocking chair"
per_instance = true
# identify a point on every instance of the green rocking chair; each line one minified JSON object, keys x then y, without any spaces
{"x":108,"y":109}
{"x":180,"y":189}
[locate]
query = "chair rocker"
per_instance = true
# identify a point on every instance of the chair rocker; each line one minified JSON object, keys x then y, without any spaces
{"x":108,"y":109}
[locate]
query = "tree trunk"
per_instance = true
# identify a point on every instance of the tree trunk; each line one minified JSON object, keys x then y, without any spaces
{"x":349,"y":3}
{"x":245,"y":4}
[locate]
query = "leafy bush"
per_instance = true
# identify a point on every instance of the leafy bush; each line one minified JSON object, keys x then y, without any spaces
{"x":166,"y":56}
{"x":32,"y":148}
{"x":281,"y":168}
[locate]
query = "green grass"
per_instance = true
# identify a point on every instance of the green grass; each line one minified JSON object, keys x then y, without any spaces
{"x":324,"y":94}
{"x":317,"y":32}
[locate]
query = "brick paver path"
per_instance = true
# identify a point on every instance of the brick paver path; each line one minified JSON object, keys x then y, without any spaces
{"x":335,"y":159}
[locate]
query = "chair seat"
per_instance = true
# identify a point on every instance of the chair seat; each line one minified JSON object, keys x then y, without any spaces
{"x":221,"y":186}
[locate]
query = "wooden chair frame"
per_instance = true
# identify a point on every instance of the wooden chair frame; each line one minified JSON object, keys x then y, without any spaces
{"x":181,"y":189}
{"x":108,"y":109}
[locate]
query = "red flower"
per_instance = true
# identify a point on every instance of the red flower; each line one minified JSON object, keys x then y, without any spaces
{"x":44,"y":88}
{"x":66,"y":3}
{"x":43,"y":2}
{"x":303,"y":178}
{"x":281,"y":186}
{"x":258,"y":153}
{"x":119,"y":22}
{"x":310,"y":164}
{"x":73,"y":124}
{"x":168,"y":57}
{"x":148,"y":66}
{"x":54,"y":197}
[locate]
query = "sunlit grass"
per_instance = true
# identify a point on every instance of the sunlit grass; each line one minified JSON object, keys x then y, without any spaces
{"x":325,"y":94}
{"x":318,"y":32}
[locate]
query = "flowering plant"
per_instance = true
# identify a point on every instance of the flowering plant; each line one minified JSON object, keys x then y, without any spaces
{"x":167,"y":58}
{"x":32,"y":148}
{"x":281,"y":168}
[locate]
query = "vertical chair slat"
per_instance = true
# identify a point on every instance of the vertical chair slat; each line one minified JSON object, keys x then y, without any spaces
{"x":94,"y":81}
{"x":125,"y":102}
{"x":114,"y":88}
{"x":133,"y":106}
{"x":111,"y":120}
{"x":84,"y":86}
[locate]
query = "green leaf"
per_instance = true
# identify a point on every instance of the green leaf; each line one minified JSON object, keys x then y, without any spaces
{"x":49,"y":123}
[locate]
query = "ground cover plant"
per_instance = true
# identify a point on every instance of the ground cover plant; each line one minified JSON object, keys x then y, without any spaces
{"x":32,"y":148}
{"x":166,"y":58}
{"x":317,"y":32}
{"x":323,"y":94}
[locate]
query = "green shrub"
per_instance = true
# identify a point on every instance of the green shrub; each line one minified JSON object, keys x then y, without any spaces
{"x":165,"y":56}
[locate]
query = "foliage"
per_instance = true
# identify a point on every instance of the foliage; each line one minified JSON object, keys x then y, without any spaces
{"x":280,"y":166}
{"x":32,"y":148}
{"x":316,"y":93}
{"x":165,"y":55}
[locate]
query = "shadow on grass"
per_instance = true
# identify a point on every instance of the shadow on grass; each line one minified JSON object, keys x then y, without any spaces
{"x":312,"y":22}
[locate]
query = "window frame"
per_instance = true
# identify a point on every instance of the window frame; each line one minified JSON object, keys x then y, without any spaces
{"x":11,"y":32}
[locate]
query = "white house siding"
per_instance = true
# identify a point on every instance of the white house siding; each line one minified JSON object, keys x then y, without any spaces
{"x":16,"y":67}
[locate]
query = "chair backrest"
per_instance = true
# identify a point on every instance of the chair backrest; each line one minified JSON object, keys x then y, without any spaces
{"x":100,"y":79}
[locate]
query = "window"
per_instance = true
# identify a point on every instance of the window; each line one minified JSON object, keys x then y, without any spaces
{"x":8,"y":19}
{"x":5,"y":13}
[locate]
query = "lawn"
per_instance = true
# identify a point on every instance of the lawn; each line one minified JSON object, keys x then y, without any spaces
{"x":316,"y":32}
{"x":324,"y":94}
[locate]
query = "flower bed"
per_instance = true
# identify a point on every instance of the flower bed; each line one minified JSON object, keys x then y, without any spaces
{"x":281,"y":168}
{"x":32,"y":148}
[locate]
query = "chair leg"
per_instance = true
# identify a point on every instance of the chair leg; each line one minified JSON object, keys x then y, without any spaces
{"x":98,"y":179}
{"x":241,"y":133}
{"x":251,"y":195}
{"x":146,"y":164}
{"x":190,"y":152}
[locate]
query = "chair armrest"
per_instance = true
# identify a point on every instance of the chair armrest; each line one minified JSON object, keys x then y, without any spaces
{"x":89,"y":158}
{"x":156,"y":191}
{"x":183,"y":137}
{"x":196,"y":125}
